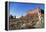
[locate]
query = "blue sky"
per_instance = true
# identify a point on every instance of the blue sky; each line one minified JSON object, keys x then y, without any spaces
{"x":19,"y":9}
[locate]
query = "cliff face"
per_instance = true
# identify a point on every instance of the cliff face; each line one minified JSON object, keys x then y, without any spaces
{"x":31,"y":20}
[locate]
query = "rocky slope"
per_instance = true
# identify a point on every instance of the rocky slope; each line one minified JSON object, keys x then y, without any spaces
{"x":27,"y":22}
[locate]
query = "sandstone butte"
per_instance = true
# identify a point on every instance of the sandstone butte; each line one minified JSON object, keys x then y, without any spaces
{"x":34,"y":12}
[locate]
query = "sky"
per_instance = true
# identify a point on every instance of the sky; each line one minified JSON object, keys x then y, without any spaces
{"x":19,"y":9}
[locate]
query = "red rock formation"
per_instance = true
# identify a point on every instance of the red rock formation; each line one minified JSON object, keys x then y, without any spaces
{"x":33,"y":12}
